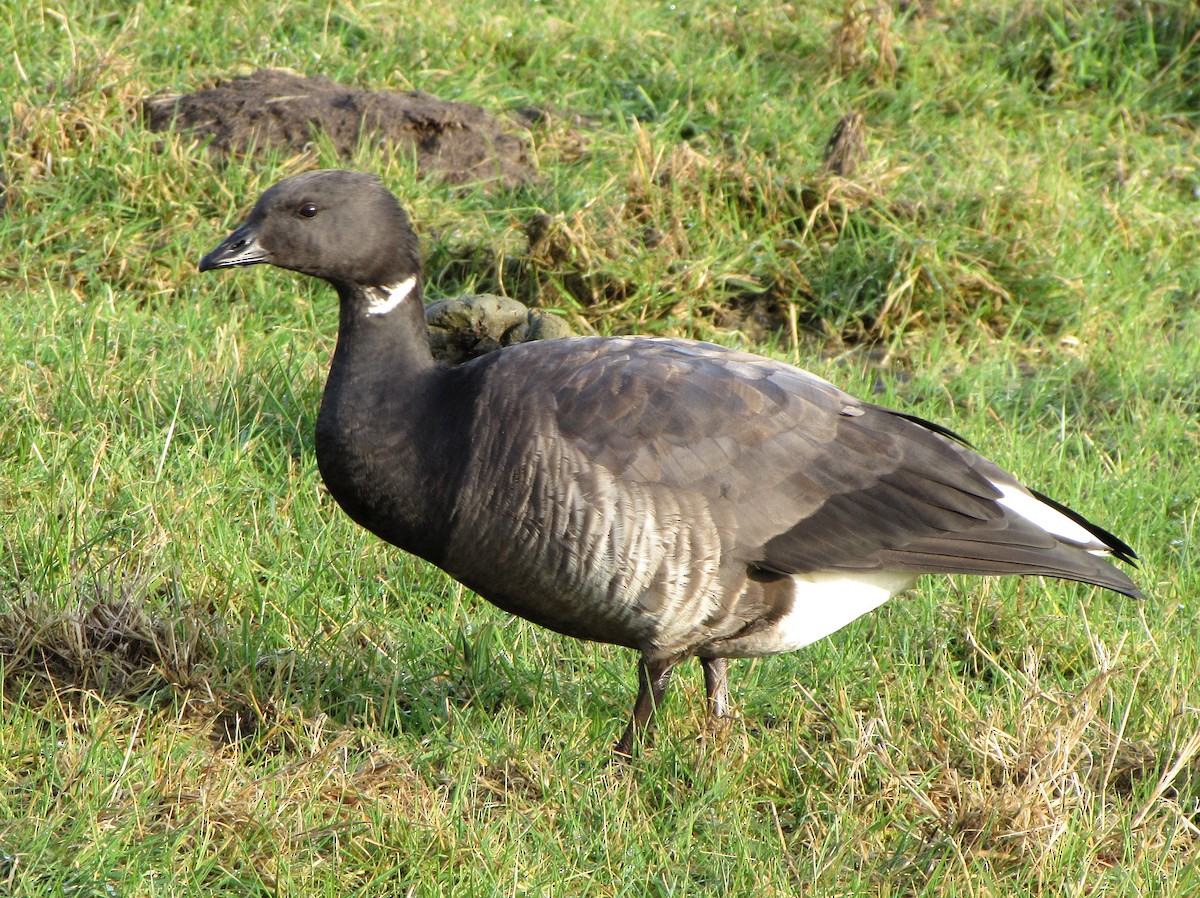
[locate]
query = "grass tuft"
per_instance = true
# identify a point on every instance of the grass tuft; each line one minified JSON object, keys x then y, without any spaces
{"x":105,"y":640}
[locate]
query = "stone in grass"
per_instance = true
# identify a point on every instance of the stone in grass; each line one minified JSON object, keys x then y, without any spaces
{"x":465,"y":327}
{"x":277,"y":109}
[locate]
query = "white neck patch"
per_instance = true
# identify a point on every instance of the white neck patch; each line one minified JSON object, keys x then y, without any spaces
{"x":385,"y":299}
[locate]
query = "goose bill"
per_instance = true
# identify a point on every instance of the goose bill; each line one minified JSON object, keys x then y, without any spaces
{"x":238,"y":249}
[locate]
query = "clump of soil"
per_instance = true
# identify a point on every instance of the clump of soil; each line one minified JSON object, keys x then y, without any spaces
{"x":278,"y":109}
{"x":465,"y":327}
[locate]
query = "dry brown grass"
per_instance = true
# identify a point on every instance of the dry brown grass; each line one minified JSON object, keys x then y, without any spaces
{"x":1010,"y":787}
{"x":303,"y":794}
{"x":105,"y":640}
{"x":102,"y":87}
{"x":846,"y":148}
{"x":865,"y":41}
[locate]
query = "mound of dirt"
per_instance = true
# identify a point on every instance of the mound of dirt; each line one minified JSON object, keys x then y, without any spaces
{"x":273,"y":108}
{"x":464,"y":327}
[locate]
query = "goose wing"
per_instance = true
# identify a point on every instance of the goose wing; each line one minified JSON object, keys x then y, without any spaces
{"x":807,"y":477}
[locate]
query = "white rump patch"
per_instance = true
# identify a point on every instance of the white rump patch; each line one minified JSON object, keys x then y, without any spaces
{"x":823,"y":603}
{"x":391,"y":297}
{"x":1050,"y":519}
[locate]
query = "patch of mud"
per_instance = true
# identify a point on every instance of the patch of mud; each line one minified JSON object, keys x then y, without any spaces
{"x":278,"y":109}
{"x":465,"y":327}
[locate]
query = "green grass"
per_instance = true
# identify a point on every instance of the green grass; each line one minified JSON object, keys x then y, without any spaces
{"x":214,"y":683}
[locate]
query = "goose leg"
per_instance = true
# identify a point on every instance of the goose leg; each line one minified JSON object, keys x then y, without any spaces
{"x":716,"y":685}
{"x":653,"y":677}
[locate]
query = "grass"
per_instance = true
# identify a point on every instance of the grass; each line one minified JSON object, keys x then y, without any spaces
{"x":213,"y":683}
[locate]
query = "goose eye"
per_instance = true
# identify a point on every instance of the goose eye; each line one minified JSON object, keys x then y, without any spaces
{"x":308,"y":210}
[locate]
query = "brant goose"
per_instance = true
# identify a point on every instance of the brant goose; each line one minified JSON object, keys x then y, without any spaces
{"x":675,"y":497}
